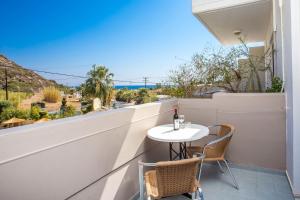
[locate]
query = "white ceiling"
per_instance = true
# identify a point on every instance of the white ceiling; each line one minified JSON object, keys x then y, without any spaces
{"x":252,"y":17}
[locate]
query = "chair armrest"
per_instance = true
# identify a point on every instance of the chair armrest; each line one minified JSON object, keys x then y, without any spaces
{"x":147,"y":164}
{"x":199,"y":155}
{"x":213,"y":126}
{"x":141,"y":176}
{"x":218,"y":140}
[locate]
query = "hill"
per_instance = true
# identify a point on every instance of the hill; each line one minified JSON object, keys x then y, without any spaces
{"x":20,"y":78}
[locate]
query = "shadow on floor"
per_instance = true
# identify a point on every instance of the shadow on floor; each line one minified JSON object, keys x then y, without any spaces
{"x":254,"y":185}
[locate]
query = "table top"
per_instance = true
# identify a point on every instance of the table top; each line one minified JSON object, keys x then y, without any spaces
{"x":166,"y":133}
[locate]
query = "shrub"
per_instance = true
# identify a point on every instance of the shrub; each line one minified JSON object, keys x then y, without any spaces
{"x":125,"y":95}
{"x":22,"y":114}
{"x":35,"y":113}
{"x":153,"y":98}
{"x":11,"y":112}
{"x":51,"y":94}
{"x":53,"y":116}
{"x":43,"y":114}
{"x":86,"y":106}
{"x":143,"y":96}
{"x":14,"y":97}
{"x":129,"y":96}
{"x":4,"y":104}
{"x":69,"y":111}
{"x":63,"y":104}
{"x":173,"y":91}
{"x":276,"y":85}
{"x":8,"y":113}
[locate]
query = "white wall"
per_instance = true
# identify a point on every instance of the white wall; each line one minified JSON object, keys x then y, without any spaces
{"x":291,"y":48}
{"x":278,"y":28}
{"x":259,"y":119}
{"x":94,"y":157}
{"x":295,"y":41}
{"x":88,"y":157}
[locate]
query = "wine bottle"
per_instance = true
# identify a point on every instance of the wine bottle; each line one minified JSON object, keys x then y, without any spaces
{"x":176,"y":120}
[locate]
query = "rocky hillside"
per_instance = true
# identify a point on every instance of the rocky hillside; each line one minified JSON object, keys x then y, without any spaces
{"x":21,"y":78}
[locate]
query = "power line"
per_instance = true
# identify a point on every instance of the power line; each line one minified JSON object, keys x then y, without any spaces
{"x":61,"y":74}
{"x":77,"y":76}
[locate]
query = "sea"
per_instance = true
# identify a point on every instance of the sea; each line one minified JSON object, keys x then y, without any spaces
{"x":134,"y":87}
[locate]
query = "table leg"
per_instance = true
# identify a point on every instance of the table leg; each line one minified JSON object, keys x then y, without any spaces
{"x":184,"y":150}
{"x":180,"y":151}
{"x":170,"y":150}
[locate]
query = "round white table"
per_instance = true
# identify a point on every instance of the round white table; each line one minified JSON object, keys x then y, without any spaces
{"x":166,"y":133}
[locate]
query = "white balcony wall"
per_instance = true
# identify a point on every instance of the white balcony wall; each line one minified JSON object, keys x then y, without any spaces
{"x":291,"y":60}
{"x":94,"y":157}
{"x":87,"y":157}
{"x":259,"y":120}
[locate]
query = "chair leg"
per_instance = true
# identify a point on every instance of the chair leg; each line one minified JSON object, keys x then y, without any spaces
{"x":141,"y":181}
{"x":200,"y":170}
{"x":201,"y":197}
{"x":194,"y":196}
{"x":232,"y":176}
{"x":220,"y":166}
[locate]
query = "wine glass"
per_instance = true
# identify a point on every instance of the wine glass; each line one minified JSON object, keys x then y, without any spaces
{"x":181,"y":121}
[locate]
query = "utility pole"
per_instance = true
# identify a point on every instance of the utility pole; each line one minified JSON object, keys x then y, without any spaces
{"x":145,"y":81}
{"x":6,"y":84}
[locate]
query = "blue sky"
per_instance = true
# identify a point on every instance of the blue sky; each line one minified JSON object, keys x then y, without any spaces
{"x":133,"y":38}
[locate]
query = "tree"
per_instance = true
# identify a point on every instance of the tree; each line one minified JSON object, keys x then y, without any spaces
{"x":254,"y":66}
{"x":99,"y":84}
{"x":233,"y":69}
{"x":185,"y":79}
{"x":219,"y":68}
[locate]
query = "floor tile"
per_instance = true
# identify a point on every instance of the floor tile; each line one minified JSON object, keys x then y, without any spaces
{"x":253,"y":185}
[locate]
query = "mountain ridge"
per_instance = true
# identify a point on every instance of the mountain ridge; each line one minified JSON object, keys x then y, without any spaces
{"x":21,"y":78}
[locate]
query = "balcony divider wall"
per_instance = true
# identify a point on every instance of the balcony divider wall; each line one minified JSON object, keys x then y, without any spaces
{"x":95,"y":156}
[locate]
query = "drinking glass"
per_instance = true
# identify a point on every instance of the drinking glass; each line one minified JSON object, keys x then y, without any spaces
{"x":188,"y":124}
{"x":181,"y":121}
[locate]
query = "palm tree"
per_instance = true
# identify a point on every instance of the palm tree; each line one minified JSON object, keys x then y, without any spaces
{"x":99,"y":84}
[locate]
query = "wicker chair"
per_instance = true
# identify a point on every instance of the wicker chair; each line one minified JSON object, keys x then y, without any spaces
{"x":171,"y":178}
{"x":215,"y":150}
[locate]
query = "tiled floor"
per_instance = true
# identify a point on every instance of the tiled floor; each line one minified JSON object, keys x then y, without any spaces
{"x":254,"y":185}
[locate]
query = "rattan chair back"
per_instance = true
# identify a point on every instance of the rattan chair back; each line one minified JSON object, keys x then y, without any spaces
{"x":177,"y":177}
{"x":217,"y":148}
{"x":225,"y":129}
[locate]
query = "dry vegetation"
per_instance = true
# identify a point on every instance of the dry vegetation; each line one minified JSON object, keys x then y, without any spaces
{"x":51,"y":94}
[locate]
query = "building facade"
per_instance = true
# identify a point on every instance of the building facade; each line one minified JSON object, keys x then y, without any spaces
{"x":276,"y":25}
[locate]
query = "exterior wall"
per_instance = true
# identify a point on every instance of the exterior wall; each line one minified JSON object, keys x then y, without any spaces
{"x":95,"y":156}
{"x":287,"y":55}
{"x":291,"y":49}
{"x":296,"y":88}
{"x":259,"y":120}
{"x":278,"y":39}
{"x":87,"y":157}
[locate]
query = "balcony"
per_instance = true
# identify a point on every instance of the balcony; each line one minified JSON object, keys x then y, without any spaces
{"x":228,"y":20}
{"x":95,"y":156}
